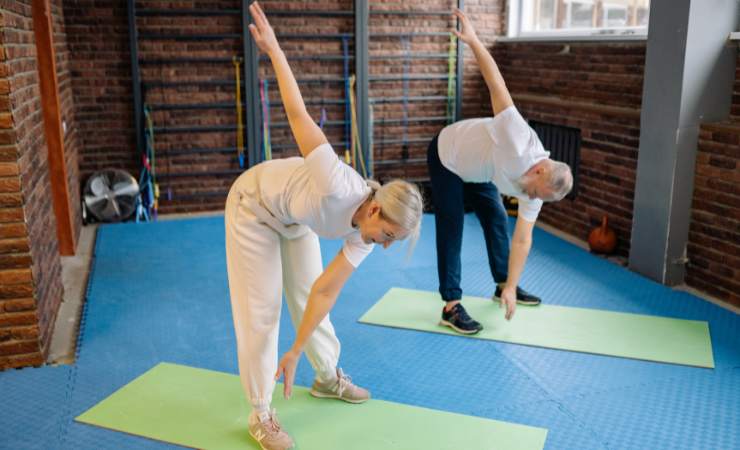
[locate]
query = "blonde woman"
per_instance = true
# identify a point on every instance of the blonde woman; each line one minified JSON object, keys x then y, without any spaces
{"x":275,"y":213}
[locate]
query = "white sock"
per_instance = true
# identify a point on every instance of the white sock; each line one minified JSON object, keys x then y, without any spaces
{"x":261,"y":413}
{"x":326,"y":376}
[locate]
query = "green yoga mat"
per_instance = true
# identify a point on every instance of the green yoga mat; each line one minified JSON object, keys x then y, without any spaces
{"x":205,"y":409}
{"x":650,"y":338}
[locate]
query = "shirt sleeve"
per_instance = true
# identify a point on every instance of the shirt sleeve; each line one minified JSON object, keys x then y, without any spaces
{"x":330,"y":174}
{"x":355,"y":249}
{"x":324,"y":168}
{"x":510,"y":131}
{"x":529,"y":208}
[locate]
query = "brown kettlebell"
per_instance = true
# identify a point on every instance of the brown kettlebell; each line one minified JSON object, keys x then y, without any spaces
{"x":602,"y":239}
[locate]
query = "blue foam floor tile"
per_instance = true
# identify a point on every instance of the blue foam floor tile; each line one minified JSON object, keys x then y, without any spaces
{"x":564,"y":430}
{"x":158,"y":292}
{"x":694,"y":412}
{"x":34,"y":401}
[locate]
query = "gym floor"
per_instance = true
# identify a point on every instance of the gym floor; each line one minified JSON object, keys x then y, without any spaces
{"x":158,"y":292}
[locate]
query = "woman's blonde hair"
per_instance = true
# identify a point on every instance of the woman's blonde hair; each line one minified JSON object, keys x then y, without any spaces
{"x":401,"y":203}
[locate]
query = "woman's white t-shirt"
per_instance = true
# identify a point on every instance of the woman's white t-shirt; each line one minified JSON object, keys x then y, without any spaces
{"x":319,"y":191}
{"x":497,"y":149}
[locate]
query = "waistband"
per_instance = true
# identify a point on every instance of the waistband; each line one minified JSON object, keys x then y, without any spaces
{"x":247,"y":188}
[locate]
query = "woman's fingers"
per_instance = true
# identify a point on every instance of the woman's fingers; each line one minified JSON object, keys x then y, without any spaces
{"x":255,"y":32}
{"x":288,"y":383}
{"x":262,"y":14}
{"x":258,"y":18}
{"x":258,"y":15}
{"x":463,"y":20}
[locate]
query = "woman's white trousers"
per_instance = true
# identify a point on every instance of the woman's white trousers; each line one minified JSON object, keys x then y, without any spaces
{"x":262,"y":265}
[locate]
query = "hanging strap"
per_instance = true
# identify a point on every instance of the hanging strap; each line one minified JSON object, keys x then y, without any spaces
{"x":406,"y":44}
{"x":370,"y":142}
{"x":451,"y":64}
{"x":347,"y":106}
{"x":239,"y":125}
{"x":356,"y":145}
{"x":265,"y":100}
{"x":322,"y":119}
{"x":148,"y":179}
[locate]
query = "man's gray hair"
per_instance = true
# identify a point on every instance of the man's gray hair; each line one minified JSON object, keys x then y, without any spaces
{"x":561,"y":180}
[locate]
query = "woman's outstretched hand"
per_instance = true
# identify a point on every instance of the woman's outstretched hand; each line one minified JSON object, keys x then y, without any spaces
{"x":467,"y":33}
{"x":261,"y":30}
{"x":286,"y":368}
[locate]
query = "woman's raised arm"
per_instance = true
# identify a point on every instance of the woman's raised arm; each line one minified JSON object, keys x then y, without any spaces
{"x":307,"y":134}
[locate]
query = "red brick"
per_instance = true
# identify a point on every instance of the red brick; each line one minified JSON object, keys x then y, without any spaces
{"x":25,"y":333}
{"x":10,"y":185}
{"x":18,"y":347}
{"x":8,"y":169}
{"x":15,"y":261}
{"x":13,"y":245}
{"x":11,"y":215}
{"x":12,"y":230}
{"x":18,"y":305}
{"x":18,"y":361}
{"x":15,"y":276}
{"x":6,"y":120}
{"x":18,"y":318}
{"x":15,"y":291}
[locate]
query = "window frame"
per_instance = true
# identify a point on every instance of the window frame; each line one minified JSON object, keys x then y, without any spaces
{"x":514,"y":29}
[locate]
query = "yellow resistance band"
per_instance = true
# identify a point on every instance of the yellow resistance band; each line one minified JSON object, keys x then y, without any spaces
{"x":356,"y":145}
{"x":239,"y":126}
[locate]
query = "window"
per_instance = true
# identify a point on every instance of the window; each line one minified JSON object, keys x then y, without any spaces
{"x":615,"y":15}
{"x":543,"y":18}
{"x":579,"y":14}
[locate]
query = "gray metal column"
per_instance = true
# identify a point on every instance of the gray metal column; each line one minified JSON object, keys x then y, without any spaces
{"x":689,"y":72}
{"x":252,"y":109}
{"x":133,"y":39}
{"x":362,"y":37}
{"x":459,"y":72}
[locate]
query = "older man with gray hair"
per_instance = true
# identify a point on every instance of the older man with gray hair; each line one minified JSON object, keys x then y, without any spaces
{"x":476,"y":160}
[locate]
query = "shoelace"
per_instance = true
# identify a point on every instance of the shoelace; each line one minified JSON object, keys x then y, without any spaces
{"x":272,"y":423}
{"x":462,"y":314}
{"x":345,"y":382}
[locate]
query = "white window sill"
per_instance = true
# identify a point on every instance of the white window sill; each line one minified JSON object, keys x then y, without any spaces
{"x":578,"y":38}
{"x":735,"y":36}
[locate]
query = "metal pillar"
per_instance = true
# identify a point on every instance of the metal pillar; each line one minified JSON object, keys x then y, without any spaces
{"x":459,"y":72}
{"x":362,"y":14}
{"x":689,"y":72}
{"x":133,"y":36}
{"x":251,"y":90}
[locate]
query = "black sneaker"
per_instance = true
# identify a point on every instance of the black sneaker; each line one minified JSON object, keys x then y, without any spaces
{"x":522,"y":297}
{"x":459,"y":320}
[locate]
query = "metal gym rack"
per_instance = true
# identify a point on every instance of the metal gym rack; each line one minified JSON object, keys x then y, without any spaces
{"x":250,"y":81}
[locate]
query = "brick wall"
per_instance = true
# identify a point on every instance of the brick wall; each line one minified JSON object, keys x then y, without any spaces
{"x":735,"y":113}
{"x":596,"y":87}
{"x":486,"y":16}
{"x":97,"y":32}
{"x":317,"y":96}
{"x":18,"y":317}
{"x":72,"y":143}
{"x":100,"y":71}
{"x":30,"y":270}
{"x":714,"y":235}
